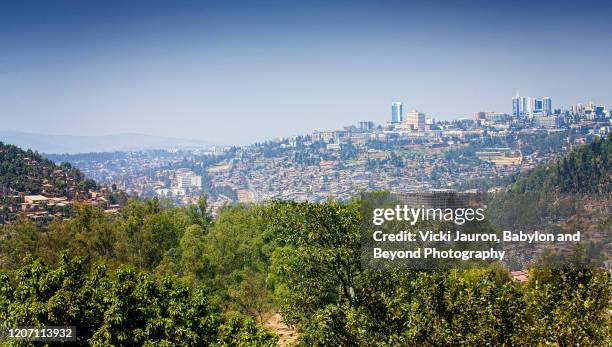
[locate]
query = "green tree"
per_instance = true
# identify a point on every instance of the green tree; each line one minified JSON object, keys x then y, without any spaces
{"x":198,"y":213}
{"x":126,"y":307}
{"x":16,"y":241}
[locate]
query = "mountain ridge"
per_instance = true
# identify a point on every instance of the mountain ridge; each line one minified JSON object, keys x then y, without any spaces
{"x":61,"y":144}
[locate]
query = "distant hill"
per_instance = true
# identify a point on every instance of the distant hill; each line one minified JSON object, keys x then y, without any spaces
{"x":587,"y":169}
{"x":28,"y":172}
{"x":558,"y":190}
{"x":59,"y":144}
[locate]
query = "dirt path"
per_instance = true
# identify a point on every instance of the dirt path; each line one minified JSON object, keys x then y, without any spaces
{"x":286,"y":334}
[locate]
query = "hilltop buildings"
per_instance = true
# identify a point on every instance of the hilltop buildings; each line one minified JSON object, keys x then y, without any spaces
{"x":186,"y":179}
{"x":397,"y":112}
{"x":416,"y":120}
{"x":411,"y":152}
{"x":530,"y":106}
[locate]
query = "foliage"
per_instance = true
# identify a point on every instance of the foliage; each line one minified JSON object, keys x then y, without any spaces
{"x":585,"y":170}
{"x":567,"y":307}
{"x":138,"y":277}
{"x":228,"y":256}
{"x":124,"y":307}
{"x":321,"y":288}
{"x":552,"y":191}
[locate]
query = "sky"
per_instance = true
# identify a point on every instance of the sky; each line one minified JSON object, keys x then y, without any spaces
{"x":232,"y":72}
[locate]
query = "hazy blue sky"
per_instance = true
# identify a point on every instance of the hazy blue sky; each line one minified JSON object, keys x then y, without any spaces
{"x":238,"y":72}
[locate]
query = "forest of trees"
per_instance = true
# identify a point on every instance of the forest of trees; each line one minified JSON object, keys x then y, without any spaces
{"x":120,"y":307}
{"x":557,"y":190}
{"x":159,"y":274}
{"x":585,"y":170}
{"x":541,"y":143}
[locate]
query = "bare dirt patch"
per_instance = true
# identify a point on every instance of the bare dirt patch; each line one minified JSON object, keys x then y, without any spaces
{"x":287,"y":335}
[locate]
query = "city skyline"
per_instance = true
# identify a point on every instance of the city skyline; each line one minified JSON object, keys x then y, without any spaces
{"x":398,"y":114}
{"x":239,"y":73}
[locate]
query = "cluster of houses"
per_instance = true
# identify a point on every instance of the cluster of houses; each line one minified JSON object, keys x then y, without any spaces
{"x":44,"y":208}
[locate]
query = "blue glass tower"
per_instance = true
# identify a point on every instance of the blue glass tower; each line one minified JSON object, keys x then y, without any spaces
{"x":397,"y":112}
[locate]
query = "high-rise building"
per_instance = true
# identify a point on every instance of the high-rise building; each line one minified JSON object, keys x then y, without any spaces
{"x":397,"y":112}
{"x":589,"y":111}
{"x":416,"y":120}
{"x":577,"y":109}
{"x":531,"y":106}
{"x":366,"y":125}
{"x":524,"y":106}
{"x":519,"y":105}
{"x":516,"y":105}
{"x":546,"y":106}
{"x":538,"y":105}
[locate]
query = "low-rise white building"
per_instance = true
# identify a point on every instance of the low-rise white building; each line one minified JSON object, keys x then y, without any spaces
{"x":188,"y":180}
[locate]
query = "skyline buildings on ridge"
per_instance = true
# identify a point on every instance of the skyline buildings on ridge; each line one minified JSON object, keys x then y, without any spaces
{"x":397,"y":112}
{"x":521,"y":106}
{"x":530,"y":106}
